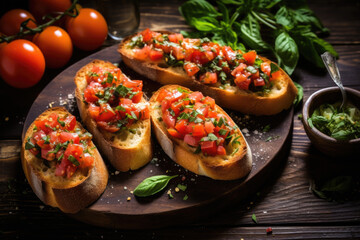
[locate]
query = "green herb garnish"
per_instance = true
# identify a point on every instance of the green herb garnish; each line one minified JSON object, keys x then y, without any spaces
{"x":152,"y":185}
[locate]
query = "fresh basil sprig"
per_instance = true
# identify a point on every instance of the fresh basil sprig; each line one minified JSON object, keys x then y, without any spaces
{"x":285,"y":29}
{"x":152,"y":185}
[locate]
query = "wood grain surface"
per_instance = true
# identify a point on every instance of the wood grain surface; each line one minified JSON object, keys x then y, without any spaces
{"x":285,"y":202}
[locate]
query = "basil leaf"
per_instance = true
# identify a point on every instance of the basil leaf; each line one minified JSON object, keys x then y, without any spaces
{"x":73,"y":160}
{"x":300,"y":94}
{"x":29,"y":145}
{"x":287,"y":52}
{"x":62,"y":123}
{"x":284,"y":17}
{"x":152,"y":185}
{"x":253,"y":217}
{"x":193,"y":9}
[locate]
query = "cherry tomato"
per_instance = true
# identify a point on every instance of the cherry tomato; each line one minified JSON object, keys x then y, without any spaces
{"x":88,"y":30}
{"x":56,"y":46}
{"x":22,"y":63}
{"x":11,"y":21}
{"x":41,"y":8}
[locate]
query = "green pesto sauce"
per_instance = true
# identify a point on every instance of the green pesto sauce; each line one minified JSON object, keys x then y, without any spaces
{"x":341,"y":124}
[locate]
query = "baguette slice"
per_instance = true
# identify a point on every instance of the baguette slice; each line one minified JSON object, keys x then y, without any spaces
{"x":225,"y":167}
{"x":124,"y":150}
{"x":72,"y":194}
{"x":279,"y":98}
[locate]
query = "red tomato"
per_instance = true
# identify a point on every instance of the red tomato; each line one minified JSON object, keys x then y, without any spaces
{"x":250,"y":57}
{"x":67,"y":136}
{"x":147,"y":35}
{"x":242,"y":82}
{"x":106,"y":113}
{"x":209,"y":147}
{"x":87,"y":160}
{"x":210,"y":101}
{"x":192,"y":141}
{"x":88,"y":30}
{"x":155,"y":54}
{"x":142,"y":54}
{"x":191,"y":68}
{"x":265,"y":67}
{"x":178,"y":52}
{"x":168,"y":119}
{"x":10,"y":22}
{"x":46,"y":155}
{"x":40,"y":8}
{"x":221,"y":150}
{"x":75,"y":150}
{"x":198,"y":130}
{"x":173,"y":132}
{"x":94,"y":111}
{"x":70,"y":122}
{"x":22,"y":64}
{"x":107,"y":127}
{"x":209,"y":127}
{"x":56,"y":46}
{"x":208,"y":78}
{"x":275,"y":75}
{"x":181,"y":126}
{"x":258,"y":82}
{"x":176,"y":38}
{"x":196,"y":96}
{"x":229,"y":54}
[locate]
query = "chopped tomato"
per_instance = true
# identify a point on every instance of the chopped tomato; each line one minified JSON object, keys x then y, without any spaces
{"x":208,"y":78}
{"x":155,"y":54}
{"x":70,"y":123}
{"x":209,"y":127}
{"x":191,"y":68}
{"x":275,"y":75}
{"x":209,"y":147}
{"x":265,"y":68}
{"x":239,"y":69}
{"x":74,"y":150}
{"x":242,"y":81}
{"x":181,"y":126}
{"x":195,"y":96}
{"x":191,"y":140}
{"x":106,"y":113}
{"x":47,"y":154}
{"x":250,"y":57}
{"x":164,"y":93}
{"x":87,"y":160}
{"x":173,"y":132}
{"x":198,"y":130}
{"x":142,"y":54}
{"x":107,"y":127}
{"x":178,"y":52}
{"x":92,"y":90}
{"x":210,"y":101}
{"x":229,"y":54}
{"x":94,"y":111}
{"x":168,"y":119}
{"x":221,"y":150}
{"x":259,"y":82}
{"x":176,"y":38}
{"x":147,"y":35}
{"x":67,"y":136}
{"x":137,"y":97}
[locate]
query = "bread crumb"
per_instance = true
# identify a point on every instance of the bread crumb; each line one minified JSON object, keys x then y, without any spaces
{"x":6,"y":119}
{"x":125,"y":188}
{"x":177,"y":189}
{"x":117,"y":172}
{"x":128,"y":199}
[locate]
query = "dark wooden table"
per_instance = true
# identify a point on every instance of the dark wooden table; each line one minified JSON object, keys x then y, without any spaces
{"x":284,"y":203}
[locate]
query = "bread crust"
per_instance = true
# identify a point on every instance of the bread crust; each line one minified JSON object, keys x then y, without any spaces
{"x":281,"y":97}
{"x":227,"y":167}
{"x":121,"y":157}
{"x":69,"y":195}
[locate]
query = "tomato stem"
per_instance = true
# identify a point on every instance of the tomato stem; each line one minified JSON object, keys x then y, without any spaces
{"x":25,"y":30}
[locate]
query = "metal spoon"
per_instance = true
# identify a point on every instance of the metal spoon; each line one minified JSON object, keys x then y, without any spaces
{"x":330,"y":63}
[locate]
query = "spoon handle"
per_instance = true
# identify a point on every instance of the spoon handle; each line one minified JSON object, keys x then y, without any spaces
{"x":330,"y":63}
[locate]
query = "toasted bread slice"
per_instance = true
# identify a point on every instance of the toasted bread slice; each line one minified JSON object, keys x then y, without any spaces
{"x":68,"y":194}
{"x":236,"y":164}
{"x":280,"y":96}
{"x":125,"y":150}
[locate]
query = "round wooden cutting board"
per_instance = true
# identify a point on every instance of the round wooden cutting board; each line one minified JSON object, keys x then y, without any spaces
{"x":269,"y":138}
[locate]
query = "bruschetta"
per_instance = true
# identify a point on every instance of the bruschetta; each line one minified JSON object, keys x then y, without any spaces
{"x":114,"y":110}
{"x":61,"y":163}
{"x":242,"y":81}
{"x":199,"y":135}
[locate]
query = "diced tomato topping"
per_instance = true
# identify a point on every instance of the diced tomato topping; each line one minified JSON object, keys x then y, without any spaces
{"x":94,"y":111}
{"x":155,"y":54}
{"x":191,"y":140}
{"x":142,"y":54}
{"x":173,"y":132}
{"x":168,"y":119}
{"x":198,"y":130}
{"x":147,"y":35}
{"x":221,"y":150}
{"x":209,"y":127}
{"x":229,"y":54}
{"x":106,"y":113}
{"x":209,"y":147}
{"x":68,"y":136}
{"x":242,"y":82}
{"x":265,"y":68}
{"x":208,"y":78}
{"x":70,"y":123}
{"x":87,"y":160}
{"x":181,"y":126}
{"x":176,"y":38}
{"x":178,"y":52}
{"x":107,"y":127}
{"x":191,"y":68}
{"x":164,"y":93}
{"x":196,"y":96}
{"x":259,"y":82}
{"x":250,"y":57}
{"x":210,"y":101}
{"x":275,"y":75}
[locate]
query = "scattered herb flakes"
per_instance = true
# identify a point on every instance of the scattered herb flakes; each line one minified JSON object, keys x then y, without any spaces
{"x":182,"y":187}
{"x":300,"y":116}
{"x":271,"y":138}
{"x":253,"y":217}
{"x":170,"y":194}
{"x":185,"y":197}
{"x":267,"y":128}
